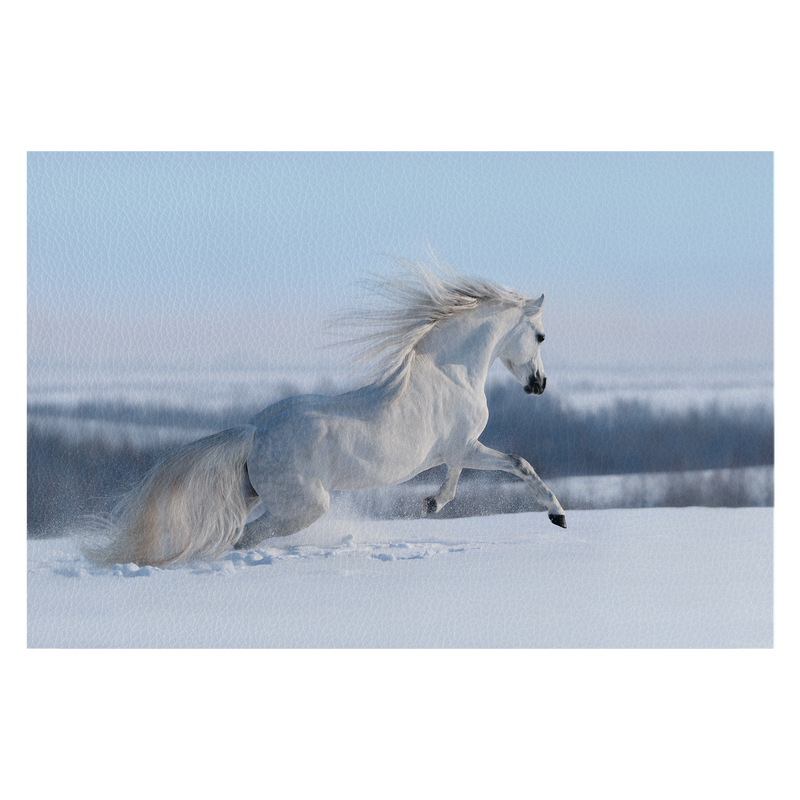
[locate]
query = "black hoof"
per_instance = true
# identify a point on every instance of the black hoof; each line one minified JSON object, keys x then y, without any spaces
{"x":558,"y":519}
{"x":429,"y":505}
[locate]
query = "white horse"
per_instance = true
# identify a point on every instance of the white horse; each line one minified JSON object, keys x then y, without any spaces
{"x":425,"y":406}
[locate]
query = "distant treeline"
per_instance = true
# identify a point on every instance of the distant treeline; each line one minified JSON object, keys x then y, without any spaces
{"x":628,"y":437}
{"x":69,"y":477}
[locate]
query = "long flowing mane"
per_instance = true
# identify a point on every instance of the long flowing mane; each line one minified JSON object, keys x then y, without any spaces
{"x":416,"y":297}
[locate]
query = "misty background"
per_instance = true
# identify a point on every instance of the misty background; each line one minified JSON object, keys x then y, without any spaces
{"x":174,"y":294}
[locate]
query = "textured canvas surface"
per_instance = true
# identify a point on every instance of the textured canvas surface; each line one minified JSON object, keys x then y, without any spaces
{"x":186,"y":285}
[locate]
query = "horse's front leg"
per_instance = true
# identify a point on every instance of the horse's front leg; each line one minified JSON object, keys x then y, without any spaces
{"x":434,"y":504}
{"x":482,"y":457}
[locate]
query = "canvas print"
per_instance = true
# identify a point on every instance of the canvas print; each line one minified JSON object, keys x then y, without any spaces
{"x":400,"y":400}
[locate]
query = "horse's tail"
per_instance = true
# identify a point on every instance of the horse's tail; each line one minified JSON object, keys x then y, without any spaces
{"x":190,"y":505}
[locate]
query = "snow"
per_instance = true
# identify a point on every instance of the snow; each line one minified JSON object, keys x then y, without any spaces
{"x":634,"y":578}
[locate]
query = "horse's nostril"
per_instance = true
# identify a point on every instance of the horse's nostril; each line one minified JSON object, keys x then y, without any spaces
{"x":544,"y":383}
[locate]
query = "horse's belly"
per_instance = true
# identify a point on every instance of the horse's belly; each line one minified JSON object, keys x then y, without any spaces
{"x":354,"y":471}
{"x":343,"y":454}
{"x":377,"y":478}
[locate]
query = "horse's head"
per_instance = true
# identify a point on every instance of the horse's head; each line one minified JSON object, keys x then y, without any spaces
{"x":520,"y":349}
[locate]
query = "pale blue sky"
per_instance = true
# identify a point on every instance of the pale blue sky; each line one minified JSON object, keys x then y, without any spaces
{"x":192,"y":258}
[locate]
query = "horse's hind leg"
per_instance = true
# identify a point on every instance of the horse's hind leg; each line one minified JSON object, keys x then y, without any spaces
{"x":287,"y":511}
{"x":434,"y":504}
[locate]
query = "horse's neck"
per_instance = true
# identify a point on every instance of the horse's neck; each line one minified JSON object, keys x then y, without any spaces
{"x":469,"y":342}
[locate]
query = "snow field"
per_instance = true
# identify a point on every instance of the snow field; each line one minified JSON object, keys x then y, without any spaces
{"x":636,"y":578}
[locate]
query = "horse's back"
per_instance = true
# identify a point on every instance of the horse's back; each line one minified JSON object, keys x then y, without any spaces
{"x":277,"y":408}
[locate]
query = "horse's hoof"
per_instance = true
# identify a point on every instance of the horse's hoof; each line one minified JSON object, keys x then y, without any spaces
{"x":429,"y":505}
{"x":558,"y":519}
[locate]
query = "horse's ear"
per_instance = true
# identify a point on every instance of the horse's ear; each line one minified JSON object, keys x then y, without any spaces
{"x":534,"y":307}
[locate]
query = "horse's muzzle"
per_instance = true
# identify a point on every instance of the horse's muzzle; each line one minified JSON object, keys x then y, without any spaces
{"x":536,"y":386}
